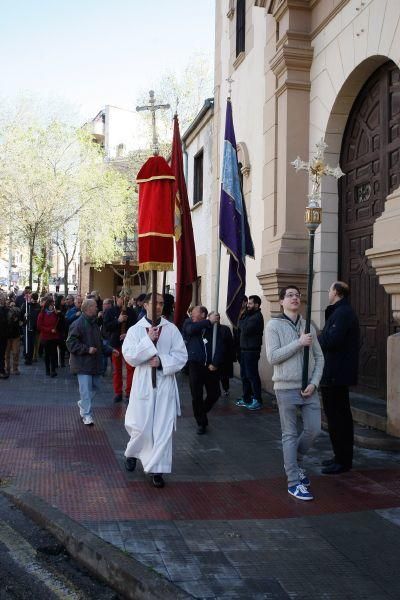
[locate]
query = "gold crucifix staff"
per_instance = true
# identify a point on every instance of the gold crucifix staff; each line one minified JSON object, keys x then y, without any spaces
{"x":153,"y":107}
{"x":316,"y":169}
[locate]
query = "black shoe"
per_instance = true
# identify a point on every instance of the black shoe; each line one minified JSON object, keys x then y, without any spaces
{"x":328,"y":462}
{"x":47,"y":373}
{"x":201,"y":430}
{"x":28,"y":362}
{"x":118,"y":398}
{"x":53,"y":374}
{"x":335,"y":469}
{"x":130,"y":463}
{"x":158,"y":480}
{"x":4,"y":375}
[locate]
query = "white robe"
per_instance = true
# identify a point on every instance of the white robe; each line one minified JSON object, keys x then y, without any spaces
{"x":151,"y":413}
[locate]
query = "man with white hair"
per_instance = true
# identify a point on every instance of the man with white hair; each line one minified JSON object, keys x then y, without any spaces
{"x":86,"y":356}
{"x":151,"y":414}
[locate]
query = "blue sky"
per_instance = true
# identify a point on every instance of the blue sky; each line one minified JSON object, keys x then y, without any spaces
{"x":97,"y":52}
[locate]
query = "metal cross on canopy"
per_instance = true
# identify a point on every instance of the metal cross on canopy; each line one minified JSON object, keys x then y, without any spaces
{"x":153,"y":107}
{"x":317,"y":169}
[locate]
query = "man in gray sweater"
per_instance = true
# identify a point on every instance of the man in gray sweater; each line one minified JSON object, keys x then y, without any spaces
{"x":285,"y":343}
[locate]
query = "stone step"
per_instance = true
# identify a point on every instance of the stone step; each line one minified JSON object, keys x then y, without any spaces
{"x":368,"y":411}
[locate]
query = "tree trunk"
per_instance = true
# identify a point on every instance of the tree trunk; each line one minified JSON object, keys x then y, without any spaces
{"x":66,"y":265}
{"x":31,"y":252}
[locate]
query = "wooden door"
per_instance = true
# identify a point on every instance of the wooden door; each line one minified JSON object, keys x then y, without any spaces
{"x":370,"y":158}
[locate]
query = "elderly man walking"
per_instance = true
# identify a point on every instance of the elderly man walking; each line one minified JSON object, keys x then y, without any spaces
{"x":151,"y":414}
{"x":85,"y":345}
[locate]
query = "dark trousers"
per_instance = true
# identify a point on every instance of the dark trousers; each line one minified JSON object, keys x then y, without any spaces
{"x":249,"y":374}
{"x":3,"y":346}
{"x":50,"y":355}
{"x":29,"y":341}
{"x":62,"y":350}
{"x":336,"y":404}
{"x":199,"y":377}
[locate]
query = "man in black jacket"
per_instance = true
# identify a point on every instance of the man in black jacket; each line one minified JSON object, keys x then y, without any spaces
{"x":340,"y":343}
{"x":251,"y":329}
{"x":203,"y":366}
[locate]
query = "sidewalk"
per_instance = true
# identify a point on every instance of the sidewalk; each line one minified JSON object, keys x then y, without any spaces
{"x":224,"y":525}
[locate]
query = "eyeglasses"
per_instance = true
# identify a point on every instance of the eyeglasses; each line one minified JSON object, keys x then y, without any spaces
{"x":293,"y":295}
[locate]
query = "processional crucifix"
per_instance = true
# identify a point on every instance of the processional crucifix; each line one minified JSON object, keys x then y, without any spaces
{"x":154,"y":210}
{"x":153,"y":107}
{"x":316,"y":169}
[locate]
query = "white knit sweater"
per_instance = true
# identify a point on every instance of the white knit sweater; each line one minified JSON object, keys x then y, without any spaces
{"x":285,"y":354}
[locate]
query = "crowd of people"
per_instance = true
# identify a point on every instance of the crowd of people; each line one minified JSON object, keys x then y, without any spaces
{"x":91,"y":330}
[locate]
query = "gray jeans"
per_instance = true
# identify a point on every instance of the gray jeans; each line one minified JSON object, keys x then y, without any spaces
{"x":295,"y":446}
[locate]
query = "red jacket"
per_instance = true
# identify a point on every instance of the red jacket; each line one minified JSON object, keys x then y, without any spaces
{"x":47,"y":325}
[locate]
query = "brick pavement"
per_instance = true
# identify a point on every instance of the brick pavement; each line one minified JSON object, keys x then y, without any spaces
{"x":224,"y":526}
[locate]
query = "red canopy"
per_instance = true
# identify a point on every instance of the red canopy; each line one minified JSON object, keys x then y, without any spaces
{"x":156,"y":215}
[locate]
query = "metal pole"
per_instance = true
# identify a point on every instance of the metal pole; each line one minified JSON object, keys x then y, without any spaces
{"x":306,"y":355}
{"x":154,"y":318}
{"x":217,"y":282}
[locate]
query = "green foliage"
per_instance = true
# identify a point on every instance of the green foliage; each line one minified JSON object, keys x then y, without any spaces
{"x":52,"y":175}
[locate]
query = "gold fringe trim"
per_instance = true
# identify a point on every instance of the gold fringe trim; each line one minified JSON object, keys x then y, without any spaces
{"x":156,"y":266}
{"x":156,"y":234}
{"x":156,"y":177}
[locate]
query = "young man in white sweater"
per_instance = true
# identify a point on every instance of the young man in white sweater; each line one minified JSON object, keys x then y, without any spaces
{"x":285,"y":343}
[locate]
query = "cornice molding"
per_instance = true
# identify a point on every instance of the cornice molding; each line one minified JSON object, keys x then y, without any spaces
{"x":291,"y":57}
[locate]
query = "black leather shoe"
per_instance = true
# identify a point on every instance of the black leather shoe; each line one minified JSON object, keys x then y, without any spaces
{"x":335,"y":469}
{"x":118,"y":398}
{"x":158,"y":480}
{"x":328,"y":462}
{"x":130,"y":463}
{"x":201,"y":430}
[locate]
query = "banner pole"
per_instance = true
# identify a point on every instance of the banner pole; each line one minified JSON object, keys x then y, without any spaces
{"x":217,"y":282}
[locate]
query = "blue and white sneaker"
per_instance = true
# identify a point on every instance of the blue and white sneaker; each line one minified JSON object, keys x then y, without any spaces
{"x":300,"y":492}
{"x":240,"y":402}
{"x":254,"y":405}
{"x":303,"y":478}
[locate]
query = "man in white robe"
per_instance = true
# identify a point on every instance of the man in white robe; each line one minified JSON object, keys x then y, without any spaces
{"x":151,"y":414}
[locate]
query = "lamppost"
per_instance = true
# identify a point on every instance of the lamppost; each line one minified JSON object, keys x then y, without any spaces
{"x":316,"y":169}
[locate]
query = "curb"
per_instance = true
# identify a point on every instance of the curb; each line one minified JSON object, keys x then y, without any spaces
{"x":123,"y":573}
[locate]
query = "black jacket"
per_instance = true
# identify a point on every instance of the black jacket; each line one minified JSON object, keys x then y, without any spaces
{"x":32,"y":316}
{"x":340,"y":343}
{"x":14,"y":329}
{"x":83,"y":334}
{"x":198,"y":340}
{"x":251,"y":327}
{"x":3,"y":323}
{"x":229,"y":350}
{"x":112,"y":328}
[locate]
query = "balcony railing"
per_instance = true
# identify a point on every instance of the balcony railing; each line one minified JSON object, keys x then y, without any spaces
{"x":129,"y":250}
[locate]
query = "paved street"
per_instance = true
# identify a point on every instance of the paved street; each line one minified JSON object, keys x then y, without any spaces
{"x":224,"y":526}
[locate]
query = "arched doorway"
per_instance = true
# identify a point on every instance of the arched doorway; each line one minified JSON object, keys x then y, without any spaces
{"x":370,"y":158}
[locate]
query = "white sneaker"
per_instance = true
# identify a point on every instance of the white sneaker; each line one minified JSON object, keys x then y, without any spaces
{"x":87,"y":420}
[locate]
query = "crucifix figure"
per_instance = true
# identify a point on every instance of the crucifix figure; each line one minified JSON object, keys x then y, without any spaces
{"x":317,"y":169}
{"x":153,"y":107}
